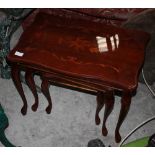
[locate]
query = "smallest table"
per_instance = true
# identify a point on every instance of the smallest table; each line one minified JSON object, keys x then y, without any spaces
{"x":83,"y":55}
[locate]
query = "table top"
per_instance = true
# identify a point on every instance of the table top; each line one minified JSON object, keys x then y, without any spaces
{"x":83,"y":49}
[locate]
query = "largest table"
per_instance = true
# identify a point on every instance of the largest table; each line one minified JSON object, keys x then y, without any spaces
{"x":83,"y":55}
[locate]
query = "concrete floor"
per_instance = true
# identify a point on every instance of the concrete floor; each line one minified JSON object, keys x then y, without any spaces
{"x":71,"y":122}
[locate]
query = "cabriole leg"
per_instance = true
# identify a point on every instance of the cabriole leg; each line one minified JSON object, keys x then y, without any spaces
{"x":29,"y":77}
{"x":109,"y":104}
{"x":45,"y":90}
{"x":125,"y":105}
{"x":15,"y":72}
{"x":100,"y":104}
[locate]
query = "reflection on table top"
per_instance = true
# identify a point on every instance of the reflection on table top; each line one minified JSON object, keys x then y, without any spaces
{"x":82,"y":48}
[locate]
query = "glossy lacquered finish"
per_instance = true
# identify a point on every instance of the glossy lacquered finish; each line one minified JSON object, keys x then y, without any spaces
{"x":80,"y":54}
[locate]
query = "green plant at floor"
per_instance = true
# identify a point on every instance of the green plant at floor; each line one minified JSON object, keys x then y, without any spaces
{"x":4,"y":123}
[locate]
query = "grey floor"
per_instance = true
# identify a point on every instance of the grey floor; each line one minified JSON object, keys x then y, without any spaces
{"x":71,"y":122}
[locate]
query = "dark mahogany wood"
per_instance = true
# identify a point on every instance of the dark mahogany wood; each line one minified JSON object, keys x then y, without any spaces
{"x":100,"y":104}
{"x":125,"y":105}
{"x":45,"y":90}
{"x":29,"y":77}
{"x":90,"y":56}
{"x":15,"y":71}
{"x":109,"y":104}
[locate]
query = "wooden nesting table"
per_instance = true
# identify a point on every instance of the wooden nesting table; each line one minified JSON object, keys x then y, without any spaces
{"x":83,"y":55}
